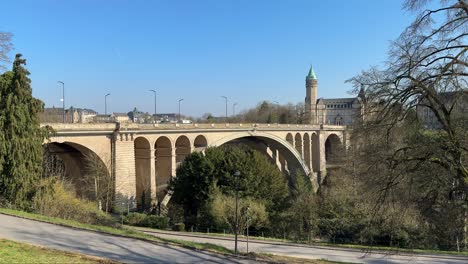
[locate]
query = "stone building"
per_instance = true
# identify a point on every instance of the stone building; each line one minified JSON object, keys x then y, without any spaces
{"x":457,"y":101}
{"x":71,"y":115}
{"x":334,"y":111}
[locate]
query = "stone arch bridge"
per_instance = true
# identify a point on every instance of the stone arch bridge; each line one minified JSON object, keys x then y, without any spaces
{"x":143,"y":157}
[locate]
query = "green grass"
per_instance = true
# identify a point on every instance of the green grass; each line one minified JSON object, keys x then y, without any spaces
{"x":15,"y":252}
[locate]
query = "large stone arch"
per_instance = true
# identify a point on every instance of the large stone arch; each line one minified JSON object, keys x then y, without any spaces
{"x":142,"y":172}
{"x":78,"y":165}
{"x":292,"y":157}
{"x":163,"y":166}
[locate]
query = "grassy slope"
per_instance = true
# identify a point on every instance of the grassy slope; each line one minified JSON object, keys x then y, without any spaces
{"x":14,"y":252}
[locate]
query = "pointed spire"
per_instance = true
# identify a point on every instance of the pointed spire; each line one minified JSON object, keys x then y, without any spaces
{"x":311,"y":74}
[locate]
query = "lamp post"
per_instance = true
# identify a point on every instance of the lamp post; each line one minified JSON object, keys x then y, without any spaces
{"x":63,"y":100}
{"x":105,"y":103}
{"x":180,"y":100}
{"x":154,"y":91}
{"x":225,"y":98}
{"x":247,"y":216}
{"x":234,"y":109}
{"x":236,"y":226}
{"x":277,"y":110}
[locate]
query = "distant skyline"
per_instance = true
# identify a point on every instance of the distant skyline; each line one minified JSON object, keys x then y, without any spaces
{"x":200,"y":51}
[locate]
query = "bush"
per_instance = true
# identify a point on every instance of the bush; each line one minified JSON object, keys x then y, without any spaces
{"x":179,"y":227}
{"x":134,"y":219}
{"x":155,"y":221}
{"x":61,"y":202}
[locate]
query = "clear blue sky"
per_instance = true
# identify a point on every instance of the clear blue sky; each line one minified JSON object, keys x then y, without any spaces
{"x":197,"y":50}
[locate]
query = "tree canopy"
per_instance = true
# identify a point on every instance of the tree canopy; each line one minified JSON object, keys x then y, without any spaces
{"x":200,"y":174}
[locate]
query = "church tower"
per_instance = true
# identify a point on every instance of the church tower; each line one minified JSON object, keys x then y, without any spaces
{"x":311,"y":97}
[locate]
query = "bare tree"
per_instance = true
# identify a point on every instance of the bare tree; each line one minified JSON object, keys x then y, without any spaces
{"x":398,"y":156}
{"x":427,"y":65}
{"x":98,"y":183}
{"x":5,"y":47}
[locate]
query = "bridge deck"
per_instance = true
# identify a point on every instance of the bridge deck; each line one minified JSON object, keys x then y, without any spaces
{"x":110,"y":127}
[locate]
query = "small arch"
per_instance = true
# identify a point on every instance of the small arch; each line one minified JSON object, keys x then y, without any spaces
{"x":298,"y":143}
{"x":307,"y":156}
{"x":290,"y":139}
{"x":163,"y":160}
{"x":315,"y":151}
{"x":332,"y":147}
{"x":183,"y":149}
{"x":143,"y":172}
{"x":200,"y":143}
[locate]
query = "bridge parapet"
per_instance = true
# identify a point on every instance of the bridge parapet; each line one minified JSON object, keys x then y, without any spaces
{"x":193,"y":126}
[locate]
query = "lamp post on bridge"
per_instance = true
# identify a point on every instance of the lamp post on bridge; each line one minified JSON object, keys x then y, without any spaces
{"x":277,"y":110}
{"x":180,"y":100}
{"x":105,"y":103}
{"x":234,"y":109}
{"x":154,"y":91}
{"x":226,"y":99}
{"x":63,"y":99}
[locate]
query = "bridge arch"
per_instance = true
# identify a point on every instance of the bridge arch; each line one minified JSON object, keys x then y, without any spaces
{"x":290,"y":139}
{"x":286,"y":150}
{"x":315,"y":151}
{"x":333,"y":146}
{"x":307,"y":149}
{"x":163,"y":165}
{"x":143,"y":172}
{"x":200,"y":143}
{"x":79,"y":165}
{"x":182,"y":149}
{"x":298,"y":143}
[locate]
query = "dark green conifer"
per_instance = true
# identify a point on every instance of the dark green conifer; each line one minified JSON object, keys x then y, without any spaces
{"x":22,"y":138}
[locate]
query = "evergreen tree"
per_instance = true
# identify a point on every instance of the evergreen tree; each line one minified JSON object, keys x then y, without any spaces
{"x":22,"y":138}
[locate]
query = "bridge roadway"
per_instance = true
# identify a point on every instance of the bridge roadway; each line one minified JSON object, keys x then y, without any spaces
{"x":144,"y":157}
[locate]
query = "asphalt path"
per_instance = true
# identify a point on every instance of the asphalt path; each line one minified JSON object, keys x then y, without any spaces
{"x":313,"y":252}
{"x":117,"y":248}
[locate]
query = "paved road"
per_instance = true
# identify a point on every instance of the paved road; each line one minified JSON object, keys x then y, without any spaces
{"x":319,"y":252}
{"x":113,"y":247}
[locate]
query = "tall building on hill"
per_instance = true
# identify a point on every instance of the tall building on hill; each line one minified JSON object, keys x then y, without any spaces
{"x":334,"y":111}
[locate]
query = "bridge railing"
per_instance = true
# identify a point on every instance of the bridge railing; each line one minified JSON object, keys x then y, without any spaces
{"x":171,"y":126}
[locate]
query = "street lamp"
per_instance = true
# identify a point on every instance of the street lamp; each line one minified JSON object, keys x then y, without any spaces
{"x":63,"y":100}
{"x":277,"y":110}
{"x":180,"y":100}
{"x":225,"y":98}
{"x":154,"y":91}
{"x":247,"y":216}
{"x":236,"y":226}
{"x":234,"y":109}
{"x":105,"y":103}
